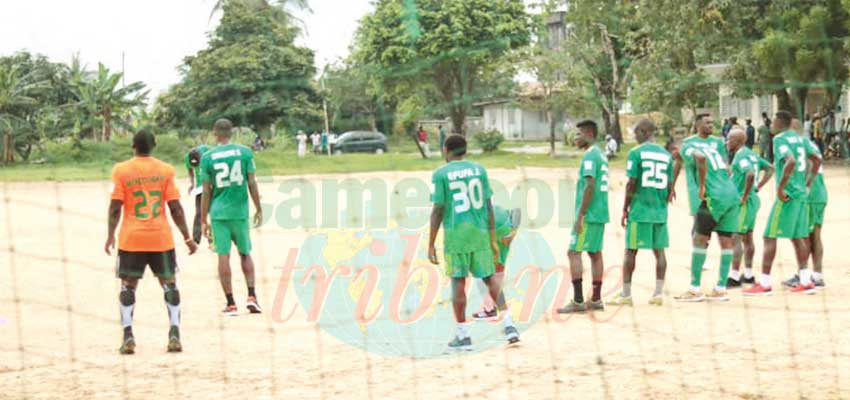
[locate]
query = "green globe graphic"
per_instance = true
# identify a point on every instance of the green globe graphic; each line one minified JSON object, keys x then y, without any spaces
{"x":386,"y":298}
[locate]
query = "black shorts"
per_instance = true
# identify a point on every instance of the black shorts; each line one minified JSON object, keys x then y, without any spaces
{"x":704,"y":222}
{"x":131,"y":264}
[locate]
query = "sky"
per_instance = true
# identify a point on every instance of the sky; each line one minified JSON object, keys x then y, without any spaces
{"x":153,"y":35}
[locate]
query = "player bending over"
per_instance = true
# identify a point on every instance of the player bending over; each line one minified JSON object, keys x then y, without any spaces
{"x":788,"y":217}
{"x":462,"y":204}
{"x":746,"y":166}
{"x":816,"y":204}
{"x":196,"y":187}
{"x":650,"y":172}
{"x":717,"y":210}
{"x":227,"y":172}
{"x":140,"y":187}
{"x":507,"y":224}
{"x":591,"y":217}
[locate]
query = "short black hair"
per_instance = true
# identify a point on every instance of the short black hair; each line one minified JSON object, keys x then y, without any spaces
{"x":455,"y":145}
{"x":784,"y":117}
{"x":645,"y":125}
{"x":589,"y":123}
{"x":222,"y":127}
{"x":144,"y":141}
{"x":749,"y":121}
{"x":700,"y":117}
{"x":195,"y":157}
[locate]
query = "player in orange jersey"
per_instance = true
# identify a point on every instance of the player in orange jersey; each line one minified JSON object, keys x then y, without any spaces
{"x":141,"y":188}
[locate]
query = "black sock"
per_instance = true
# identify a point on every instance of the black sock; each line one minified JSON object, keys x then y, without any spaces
{"x":251,"y":292}
{"x":230,"y":301}
{"x":128,"y":331}
{"x":597,"y":291}
{"x":578,"y":297}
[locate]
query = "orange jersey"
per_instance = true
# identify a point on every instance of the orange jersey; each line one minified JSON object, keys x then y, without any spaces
{"x":144,"y":185}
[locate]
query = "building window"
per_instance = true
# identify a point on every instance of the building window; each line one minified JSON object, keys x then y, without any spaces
{"x":764,"y":104}
{"x":542,"y":116}
{"x":492,"y":113}
{"x":511,"y":115}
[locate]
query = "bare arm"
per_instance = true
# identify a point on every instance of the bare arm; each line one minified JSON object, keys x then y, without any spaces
{"x":205,"y":202}
{"x":191,"y":179}
{"x":787,"y":170}
{"x":255,"y":198}
{"x":631,"y":188}
{"x":586,"y":197}
{"x":677,"y":168}
{"x":813,"y":172}
{"x":436,"y":221}
{"x":702,"y":169}
{"x":114,"y":216}
{"x":765,"y":177}
{"x":179,"y":217}
{"x":492,"y":224}
{"x":749,"y":181}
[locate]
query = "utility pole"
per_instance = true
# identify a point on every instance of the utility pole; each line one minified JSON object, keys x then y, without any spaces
{"x":324,"y":99}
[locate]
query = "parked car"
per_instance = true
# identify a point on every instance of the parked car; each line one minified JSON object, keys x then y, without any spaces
{"x":361,"y":142}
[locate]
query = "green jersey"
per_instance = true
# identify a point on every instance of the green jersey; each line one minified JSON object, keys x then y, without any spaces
{"x":746,"y":161}
{"x":712,"y":145}
{"x":651,"y":167}
{"x":462,"y":188}
{"x":196,"y":170}
{"x":786,"y":144}
{"x":504,"y":224}
{"x":594,"y":164}
{"x":226,"y":167}
{"x":818,"y":193}
{"x":720,"y":192}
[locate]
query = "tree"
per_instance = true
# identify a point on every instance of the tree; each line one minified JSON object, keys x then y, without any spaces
{"x":453,"y":44}
{"x":282,"y":9}
{"x":252,"y":73}
{"x":102,"y":98}
{"x":15,"y":91}
{"x":351,"y":104}
{"x":788,"y":48}
{"x":606,"y":39}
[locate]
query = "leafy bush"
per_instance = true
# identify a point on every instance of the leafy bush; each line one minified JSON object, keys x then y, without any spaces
{"x":489,"y":141}
{"x":169,"y":148}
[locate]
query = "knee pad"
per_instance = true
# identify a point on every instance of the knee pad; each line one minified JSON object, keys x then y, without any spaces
{"x":127,"y":297}
{"x":172,"y":295}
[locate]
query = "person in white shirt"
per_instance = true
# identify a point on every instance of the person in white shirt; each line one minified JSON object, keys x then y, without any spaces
{"x":302,"y":143}
{"x":610,"y":146}
{"x":316,"y":138}
{"x":331,"y":142}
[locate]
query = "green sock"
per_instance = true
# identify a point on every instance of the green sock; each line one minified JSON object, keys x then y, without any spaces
{"x":697,"y":260}
{"x":725,"y":263}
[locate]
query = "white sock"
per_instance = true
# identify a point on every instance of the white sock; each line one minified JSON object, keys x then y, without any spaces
{"x":735,"y":275}
{"x":695,"y":289}
{"x":817,"y":275}
{"x":805,"y":276}
{"x":462,"y":333}
{"x":748,"y":273}
{"x":127,"y":315}
{"x":765,"y":280}
{"x":508,"y":320}
{"x":720,"y":288}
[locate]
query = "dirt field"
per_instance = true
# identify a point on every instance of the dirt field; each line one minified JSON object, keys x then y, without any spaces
{"x":59,"y":322}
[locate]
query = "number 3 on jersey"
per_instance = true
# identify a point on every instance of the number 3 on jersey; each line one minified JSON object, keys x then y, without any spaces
{"x":225,"y":176}
{"x":465,"y":194}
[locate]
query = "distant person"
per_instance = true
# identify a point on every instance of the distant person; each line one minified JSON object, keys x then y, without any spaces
{"x":142,"y":187}
{"x":765,"y":139}
{"x":302,"y":143}
{"x":259,"y":143}
{"x":316,"y":139}
{"x":228,"y":173}
{"x":422,"y":136}
{"x":817,"y":132}
{"x":324,"y":142}
{"x":193,"y":165}
{"x":331,"y":142}
{"x":611,"y":146}
{"x":727,"y":126}
{"x":442,"y":137}
{"x":808,"y":127}
{"x":751,"y":134}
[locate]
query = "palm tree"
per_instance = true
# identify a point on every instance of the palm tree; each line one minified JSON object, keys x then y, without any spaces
{"x":101,"y":97}
{"x":15,"y":91}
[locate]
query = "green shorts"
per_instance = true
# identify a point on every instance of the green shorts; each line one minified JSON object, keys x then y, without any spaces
{"x":747,"y":216}
{"x":723,"y":220}
{"x":646,"y":235}
{"x":590,"y":239}
{"x":226,"y":231}
{"x":788,"y":219}
{"x":816,"y":211}
{"x":479,"y":264}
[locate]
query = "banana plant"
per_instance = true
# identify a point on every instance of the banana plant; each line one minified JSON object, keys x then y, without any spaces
{"x":102,"y":97}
